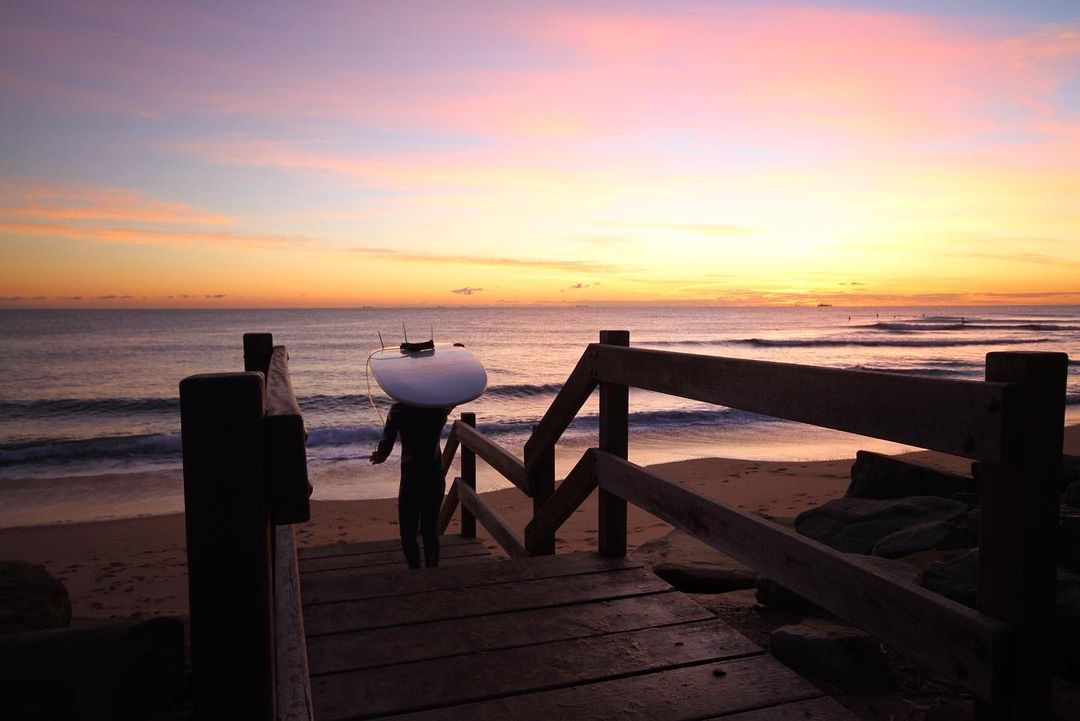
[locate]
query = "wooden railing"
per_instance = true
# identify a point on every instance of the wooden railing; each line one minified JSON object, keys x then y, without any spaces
{"x":245,"y":482}
{"x":1012,"y":423}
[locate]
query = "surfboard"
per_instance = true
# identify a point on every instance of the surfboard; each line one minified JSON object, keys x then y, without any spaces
{"x":439,"y":377}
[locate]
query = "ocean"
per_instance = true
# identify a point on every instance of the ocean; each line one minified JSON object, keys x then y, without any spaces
{"x":89,"y":408}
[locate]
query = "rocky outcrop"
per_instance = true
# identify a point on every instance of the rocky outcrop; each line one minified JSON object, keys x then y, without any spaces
{"x":856,"y":525}
{"x":874,"y":475}
{"x":845,"y":657}
{"x":31,"y":599}
{"x":693,"y":567}
{"x":957,"y":531}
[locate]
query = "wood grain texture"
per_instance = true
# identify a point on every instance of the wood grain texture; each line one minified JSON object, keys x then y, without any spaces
{"x":442,"y":604}
{"x":953,"y":640}
{"x":568,"y":401}
{"x":328,"y":588}
{"x":505,"y":536}
{"x":468,"y":473}
{"x":438,"y":639}
{"x":819,"y":709}
{"x":614,"y":439}
{"x":493,"y":454}
{"x":449,"y":505}
{"x":364,"y":547}
{"x":568,"y":496}
{"x":953,"y":416}
{"x":284,"y":446}
{"x":293,"y":683}
{"x":363,"y":560}
{"x":694,"y":692}
{"x":511,"y":671}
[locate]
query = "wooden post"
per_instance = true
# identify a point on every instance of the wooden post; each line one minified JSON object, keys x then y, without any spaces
{"x":1020,"y":499}
{"x":614,"y":413}
{"x":540,"y":476}
{"x":258,"y":347}
{"x":228,"y":546}
{"x":468,"y":477}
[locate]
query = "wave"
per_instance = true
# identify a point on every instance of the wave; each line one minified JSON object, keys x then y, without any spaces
{"x":881,"y":343}
{"x":915,"y":326}
{"x":139,"y":447}
{"x":79,"y":406}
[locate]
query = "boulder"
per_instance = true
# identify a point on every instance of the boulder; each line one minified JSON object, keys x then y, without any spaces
{"x":954,"y":577}
{"x":855,"y":525}
{"x":693,"y":567}
{"x":845,"y":657}
{"x":1072,"y":495}
{"x":960,"y":531}
{"x":31,"y":599}
{"x":874,"y":475}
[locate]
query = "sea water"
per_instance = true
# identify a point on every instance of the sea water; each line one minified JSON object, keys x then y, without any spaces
{"x":89,"y":408}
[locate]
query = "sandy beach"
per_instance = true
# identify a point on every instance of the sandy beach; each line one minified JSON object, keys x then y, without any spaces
{"x":137,"y":567}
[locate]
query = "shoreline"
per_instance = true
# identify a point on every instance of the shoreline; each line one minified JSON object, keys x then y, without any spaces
{"x":136,"y":567}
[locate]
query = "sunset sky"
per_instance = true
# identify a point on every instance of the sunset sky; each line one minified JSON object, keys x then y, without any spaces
{"x":396,"y":153}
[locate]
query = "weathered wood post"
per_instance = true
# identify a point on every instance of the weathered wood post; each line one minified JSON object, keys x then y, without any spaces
{"x":258,"y":348}
{"x":228,"y":545}
{"x":540,"y":475}
{"x":1020,"y":500}
{"x":468,"y":477}
{"x":614,"y":417}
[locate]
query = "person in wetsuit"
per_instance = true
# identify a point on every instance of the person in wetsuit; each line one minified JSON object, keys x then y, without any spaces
{"x":422,"y":484}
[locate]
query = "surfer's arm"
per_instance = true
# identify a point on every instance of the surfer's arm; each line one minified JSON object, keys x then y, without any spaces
{"x":390,"y":432}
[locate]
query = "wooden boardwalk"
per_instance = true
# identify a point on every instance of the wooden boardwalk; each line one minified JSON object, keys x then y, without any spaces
{"x":568,"y":637}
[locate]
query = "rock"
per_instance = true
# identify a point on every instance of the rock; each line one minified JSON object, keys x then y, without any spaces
{"x":874,"y":475}
{"x":693,"y":567}
{"x":843,"y":656}
{"x":1070,"y":475}
{"x":954,"y":577}
{"x":855,"y":525}
{"x":960,"y":531}
{"x":31,"y":599}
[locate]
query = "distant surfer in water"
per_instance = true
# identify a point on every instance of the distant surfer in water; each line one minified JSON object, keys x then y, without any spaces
{"x":422,"y":484}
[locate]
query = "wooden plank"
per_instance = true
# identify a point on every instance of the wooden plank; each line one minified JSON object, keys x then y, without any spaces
{"x":382,"y":546}
{"x":1018,"y":537}
{"x":449,"y":505}
{"x":448,"y":681}
{"x":819,"y":709}
{"x":228,"y":546}
{"x":284,"y":446}
{"x":327,"y":588}
{"x":293,"y":685}
{"x":468,"y":473}
{"x":570,"y":494}
{"x":495,"y":455}
{"x":327,"y":618}
{"x":391,"y":566}
{"x":614,"y":436}
{"x":493,"y":522}
{"x":702,"y":691}
{"x":363,"y":560}
{"x":257,"y":350}
{"x":568,"y":401}
{"x":437,"y":639}
{"x":449,"y":450}
{"x":541,"y":472}
{"x":953,"y":416}
{"x":280,"y":394}
{"x":953,"y":640}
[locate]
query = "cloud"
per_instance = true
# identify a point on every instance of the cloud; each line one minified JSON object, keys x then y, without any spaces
{"x":56,"y":202}
{"x":466,"y":290}
{"x":503,"y":262}
{"x":155,"y":236}
{"x":215,"y":295}
{"x":582,"y":286}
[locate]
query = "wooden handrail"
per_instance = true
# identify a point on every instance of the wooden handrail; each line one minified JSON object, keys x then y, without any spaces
{"x":569,"y":495}
{"x":568,"y":401}
{"x":963,"y":418}
{"x":496,"y":526}
{"x":495,"y":455}
{"x":952,"y":639}
{"x":449,"y":505}
{"x":449,"y":450}
{"x":284,"y":445}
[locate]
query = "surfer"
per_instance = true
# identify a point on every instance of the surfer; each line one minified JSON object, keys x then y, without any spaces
{"x":422,"y":485}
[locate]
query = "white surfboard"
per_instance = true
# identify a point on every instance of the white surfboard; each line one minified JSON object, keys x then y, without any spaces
{"x":444,"y":376}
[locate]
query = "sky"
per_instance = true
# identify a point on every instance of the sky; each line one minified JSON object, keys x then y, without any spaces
{"x":281,"y":154}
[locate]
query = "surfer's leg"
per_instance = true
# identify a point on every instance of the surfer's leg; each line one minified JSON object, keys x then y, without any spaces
{"x":408,"y":519}
{"x":429,"y":521}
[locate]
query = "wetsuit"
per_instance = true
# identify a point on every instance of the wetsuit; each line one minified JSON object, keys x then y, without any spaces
{"x":422,"y":484}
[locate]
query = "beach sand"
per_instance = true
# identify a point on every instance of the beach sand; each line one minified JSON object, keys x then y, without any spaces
{"x":137,"y":567}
